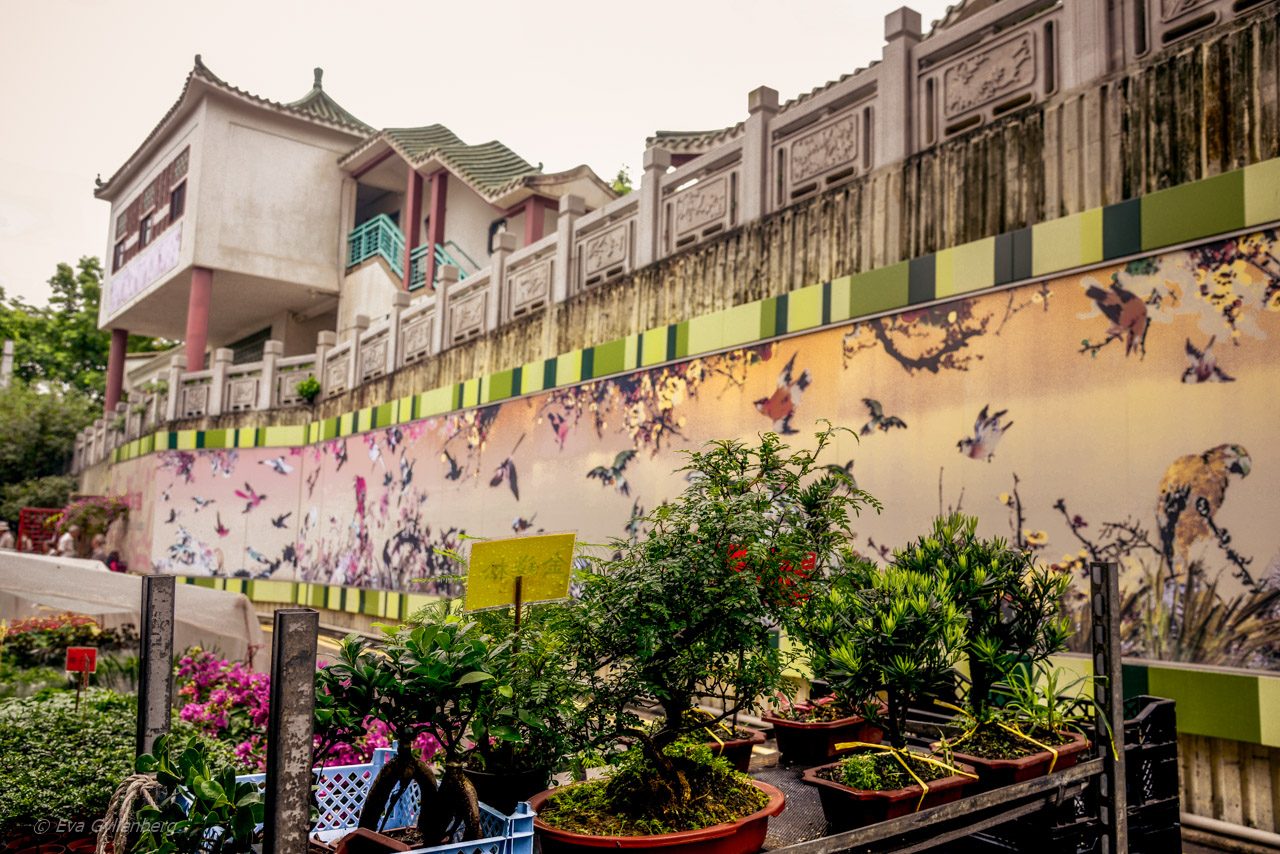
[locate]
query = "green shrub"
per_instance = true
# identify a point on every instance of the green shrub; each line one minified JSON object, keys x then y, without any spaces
{"x":308,"y":389}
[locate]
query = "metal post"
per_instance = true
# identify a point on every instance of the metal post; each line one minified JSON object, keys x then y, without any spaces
{"x":155,"y":677}
{"x":1104,"y":596}
{"x":290,"y":725}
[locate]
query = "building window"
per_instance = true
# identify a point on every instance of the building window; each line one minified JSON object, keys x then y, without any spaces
{"x":177,"y":201}
{"x":117,"y":259}
{"x":144,"y":231}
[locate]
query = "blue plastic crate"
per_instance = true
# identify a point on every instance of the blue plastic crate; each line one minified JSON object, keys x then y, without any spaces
{"x":341,"y":795}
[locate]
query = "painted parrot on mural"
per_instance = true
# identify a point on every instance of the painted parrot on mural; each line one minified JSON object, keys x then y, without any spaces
{"x":879,"y":421}
{"x":1191,"y":492}
{"x":251,"y":497}
{"x":987,"y":432}
{"x":780,"y":406}
{"x":1127,"y":313}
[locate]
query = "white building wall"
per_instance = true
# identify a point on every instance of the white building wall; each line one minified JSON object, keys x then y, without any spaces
{"x":466,"y":220}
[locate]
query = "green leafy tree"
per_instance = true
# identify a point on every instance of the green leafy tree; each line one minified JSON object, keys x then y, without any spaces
{"x":622,"y":181}
{"x":39,"y":435}
{"x":52,"y":491}
{"x":60,"y":345}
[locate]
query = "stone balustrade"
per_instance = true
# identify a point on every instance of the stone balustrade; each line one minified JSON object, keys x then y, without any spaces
{"x":921,"y":93}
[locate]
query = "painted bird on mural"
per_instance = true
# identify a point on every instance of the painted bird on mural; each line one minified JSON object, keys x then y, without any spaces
{"x":845,"y":470}
{"x":1191,"y":492}
{"x":506,"y":471}
{"x":250,"y":497}
{"x":201,"y":503}
{"x":1202,"y":365}
{"x":277,"y":464}
{"x":223,"y":463}
{"x":173,"y":517}
{"x":220,"y":529}
{"x":340,"y":454}
{"x":455,"y":471}
{"x":269,"y":566}
{"x":406,"y":472}
{"x":612,"y":475}
{"x":987,"y":432}
{"x":282,"y":520}
{"x":1127,"y":313}
{"x":780,"y":406}
{"x":559,"y":427}
{"x":521,"y":524}
{"x":879,"y":421}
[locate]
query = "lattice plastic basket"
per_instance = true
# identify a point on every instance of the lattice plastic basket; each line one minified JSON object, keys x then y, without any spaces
{"x":342,"y":791}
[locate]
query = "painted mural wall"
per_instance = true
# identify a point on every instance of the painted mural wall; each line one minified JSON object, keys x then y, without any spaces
{"x":1130,"y":413}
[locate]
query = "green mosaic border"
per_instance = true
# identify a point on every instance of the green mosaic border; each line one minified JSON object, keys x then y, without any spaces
{"x":1203,"y":209}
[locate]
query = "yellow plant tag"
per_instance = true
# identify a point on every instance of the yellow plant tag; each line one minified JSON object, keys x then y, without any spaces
{"x":543,"y":565}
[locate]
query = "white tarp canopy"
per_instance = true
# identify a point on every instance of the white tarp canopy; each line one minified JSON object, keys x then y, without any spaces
{"x":34,"y":585}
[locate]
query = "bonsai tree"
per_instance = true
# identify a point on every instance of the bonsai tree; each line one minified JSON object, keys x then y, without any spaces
{"x":1012,"y":606}
{"x":685,"y":610}
{"x":431,"y":675}
{"x":819,"y":626}
{"x":902,"y":635}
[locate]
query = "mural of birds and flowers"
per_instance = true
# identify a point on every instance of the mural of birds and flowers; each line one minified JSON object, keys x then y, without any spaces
{"x":1128,"y":413}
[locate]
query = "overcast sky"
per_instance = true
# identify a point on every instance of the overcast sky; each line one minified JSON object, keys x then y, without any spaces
{"x":562,"y":82}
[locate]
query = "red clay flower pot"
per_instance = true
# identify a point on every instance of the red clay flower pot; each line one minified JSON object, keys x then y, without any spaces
{"x":738,"y":750}
{"x":744,"y":836}
{"x":994,"y":773}
{"x":813,"y":743}
{"x":846,"y":808}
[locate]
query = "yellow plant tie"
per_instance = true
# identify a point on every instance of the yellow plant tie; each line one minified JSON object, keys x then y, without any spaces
{"x":965,"y":735}
{"x":896,"y":753}
{"x":719,"y":742}
{"x":1052,"y":762}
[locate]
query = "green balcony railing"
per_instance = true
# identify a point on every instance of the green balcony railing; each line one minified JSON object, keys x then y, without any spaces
{"x":378,"y":236}
{"x":418,"y":267}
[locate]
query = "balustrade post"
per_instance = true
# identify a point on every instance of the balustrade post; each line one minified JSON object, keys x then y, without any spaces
{"x":118,"y":434}
{"x":176,"y":366}
{"x":571,"y":207}
{"x":896,"y":110}
{"x":325,"y":342}
{"x":99,"y":438}
{"x":762,"y":106}
{"x":271,"y":353}
{"x":132,"y":430}
{"x":448,"y":278}
{"x":649,"y":218}
{"x":1087,"y":43}
{"x":399,"y":302}
{"x":354,"y":367}
{"x":221,"y":363}
{"x":496,"y":306}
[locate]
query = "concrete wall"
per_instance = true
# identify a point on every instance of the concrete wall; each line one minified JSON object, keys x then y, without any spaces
{"x":466,"y":220}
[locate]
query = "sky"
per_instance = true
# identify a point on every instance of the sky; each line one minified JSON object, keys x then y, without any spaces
{"x":562,"y":82}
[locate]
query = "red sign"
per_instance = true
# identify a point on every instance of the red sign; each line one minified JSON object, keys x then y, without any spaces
{"x":82,"y":659}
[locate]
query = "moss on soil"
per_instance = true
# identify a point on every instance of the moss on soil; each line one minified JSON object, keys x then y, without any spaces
{"x":880,"y":772}
{"x":990,"y":742}
{"x":619,"y":805}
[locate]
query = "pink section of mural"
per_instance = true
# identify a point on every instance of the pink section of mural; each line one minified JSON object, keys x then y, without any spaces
{"x":1126,"y":414}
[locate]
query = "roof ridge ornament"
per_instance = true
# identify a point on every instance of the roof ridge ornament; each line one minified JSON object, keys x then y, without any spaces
{"x":319,"y":74}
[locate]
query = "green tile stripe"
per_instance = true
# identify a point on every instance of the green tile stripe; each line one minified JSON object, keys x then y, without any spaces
{"x":1197,"y":211}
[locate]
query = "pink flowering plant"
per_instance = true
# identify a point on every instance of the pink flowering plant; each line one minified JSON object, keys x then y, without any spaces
{"x":92,"y":514}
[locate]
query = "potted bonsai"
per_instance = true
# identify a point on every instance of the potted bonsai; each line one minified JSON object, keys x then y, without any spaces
{"x":429,"y":676}
{"x":1015,"y":623}
{"x":685,"y":611}
{"x":902,"y":635}
{"x":807,"y":733}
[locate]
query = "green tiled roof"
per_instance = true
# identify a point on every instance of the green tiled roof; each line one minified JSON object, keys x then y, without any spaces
{"x":317,"y":103}
{"x":489,"y":166}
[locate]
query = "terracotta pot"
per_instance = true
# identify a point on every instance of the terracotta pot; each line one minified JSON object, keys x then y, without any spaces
{"x":846,"y":808}
{"x":365,"y":841}
{"x":503,"y":790}
{"x":994,"y":773}
{"x":744,"y":836}
{"x":738,"y":750}
{"x":812,"y":743}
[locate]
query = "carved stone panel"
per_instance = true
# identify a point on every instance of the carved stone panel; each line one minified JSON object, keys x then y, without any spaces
{"x":416,"y":335}
{"x":530,"y":287}
{"x":606,"y":249}
{"x":241,"y":394}
{"x":468,"y":316}
{"x":704,"y":203}
{"x":989,"y":74}
{"x":337,"y":373}
{"x":827,"y":148}
{"x":195,"y":400}
{"x":287,"y":387}
{"x":373,"y":358}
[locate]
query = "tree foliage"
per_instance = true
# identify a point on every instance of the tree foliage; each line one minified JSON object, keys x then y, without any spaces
{"x":39,"y":430}
{"x":50,"y":491}
{"x":59,"y":345}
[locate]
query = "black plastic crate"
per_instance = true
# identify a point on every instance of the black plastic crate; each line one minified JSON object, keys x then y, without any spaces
{"x":1151,"y":773}
{"x":1149,"y":721}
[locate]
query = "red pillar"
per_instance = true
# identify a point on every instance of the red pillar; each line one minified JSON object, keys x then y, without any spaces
{"x":412,"y":220}
{"x":533,"y":216}
{"x":115,"y":369}
{"x":198,"y":316}
{"x":435,"y":221}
